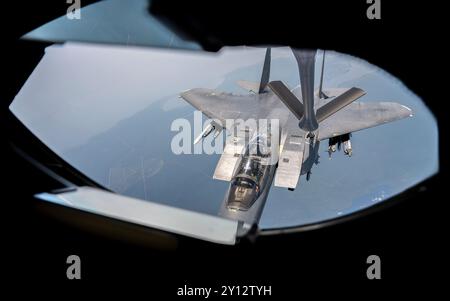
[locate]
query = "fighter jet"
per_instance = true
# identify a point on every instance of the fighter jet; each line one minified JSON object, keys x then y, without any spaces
{"x":304,"y":116}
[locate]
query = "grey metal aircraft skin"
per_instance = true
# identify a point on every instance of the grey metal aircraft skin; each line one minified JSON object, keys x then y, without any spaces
{"x":302,"y":128}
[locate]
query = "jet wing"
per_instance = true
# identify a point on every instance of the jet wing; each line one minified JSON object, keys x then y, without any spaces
{"x":222,"y":106}
{"x":331,"y":92}
{"x":361,"y":115}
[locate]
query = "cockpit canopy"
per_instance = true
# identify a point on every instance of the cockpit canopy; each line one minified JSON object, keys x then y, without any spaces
{"x":243,"y":193}
{"x":259,"y":147}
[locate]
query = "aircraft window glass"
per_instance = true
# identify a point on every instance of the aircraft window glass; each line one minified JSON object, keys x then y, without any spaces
{"x":242,"y":181}
{"x":258,"y":147}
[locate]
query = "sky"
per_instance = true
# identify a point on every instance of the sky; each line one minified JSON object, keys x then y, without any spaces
{"x":107,"y":111}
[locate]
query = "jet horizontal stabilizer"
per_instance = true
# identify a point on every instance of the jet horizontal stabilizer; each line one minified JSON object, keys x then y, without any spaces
{"x":248,"y":85}
{"x":362,"y":115}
